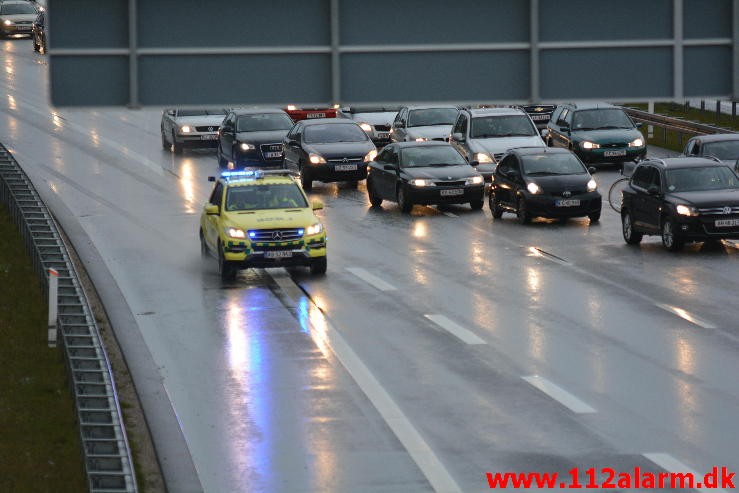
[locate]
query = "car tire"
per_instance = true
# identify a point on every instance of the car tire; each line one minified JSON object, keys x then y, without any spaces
{"x":405,"y":204}
{"x":42,"y":46}
{"x":305,"y":180}
{"x":176,"y":148}
{"x":522,"y":211}
{"x":318,"y":266}
{"x":226,"y":269}
{"x":549,"y":142}
{"x":670,"y":239}
{"x":165,"y":145}
{"x":594,"y":217}
{"x":631,"y":237}
{"x":204,"y":252}
{"x":36,"y":46}
{"x":476,"y":205}
{"x":495,"y":208}
{"x":374,"y":199}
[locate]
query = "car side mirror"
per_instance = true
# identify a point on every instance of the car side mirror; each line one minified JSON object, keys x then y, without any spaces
{"x":639,"y":124}
{"x":211,"y":178}
{"x":170,"y":112}
{"x":211,"y":210}
{"x":389,"y":167}
{"x":474,"y":163}
{"x":458,"y":136}
{"x":317,"y":205}
{"x":653,"y":190}
{"x":592,"y":170}
{"x":400,"y":125}
{"x":564,"y":127}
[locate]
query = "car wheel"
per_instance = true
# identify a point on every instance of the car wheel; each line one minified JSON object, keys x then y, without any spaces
{"x":374,"y":199}
{"x":305,"y":180}
{"x":476,"y":205}
{"x":222,"y":163}
{"x":176,"y":147}
{"x":318,"y":266}
{"x":670,"y":238}
{"x":404,"y":202}
{"x":36,"y":46}
{"x":627,"y":228}
{"x":42,"y":47}
{"x":204,"y":253}
{"x":165,"y":144}
{"x":549,"y":142}
{"x":522,"y":212}
{"x":594,"y":217}
{"x":226,"y":269}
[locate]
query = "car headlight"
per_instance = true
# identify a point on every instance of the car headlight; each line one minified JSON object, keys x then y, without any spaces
{"x":533,"y":188}
{"x":420,"y":139}
{"x":316,"y":159}
{"x":313,"y":229}
{"x":589,"y":145}
{"x":186,"y":129}
{"x":475,"y":180}
{"x":638,"y":142}
{"x":235,"y":233}
{"x":592,"y":186}
{"x":418,"y":182}
{"x":8,"y":22}
{"x":366,"y":127}
{"x":483,"y":158}
{"x":686,"y":210}
{"x":245,"y":146}
{"x":370,"y":155}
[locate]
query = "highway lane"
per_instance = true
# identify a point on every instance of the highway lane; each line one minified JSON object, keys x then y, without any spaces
{"x":499,"y":356}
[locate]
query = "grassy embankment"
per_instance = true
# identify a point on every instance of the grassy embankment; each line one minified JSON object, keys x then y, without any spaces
{"x":40,"y":449}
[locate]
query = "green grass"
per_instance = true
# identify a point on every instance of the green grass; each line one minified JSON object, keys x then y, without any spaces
{"x":40,"y":449}
{"x":672,"y":140}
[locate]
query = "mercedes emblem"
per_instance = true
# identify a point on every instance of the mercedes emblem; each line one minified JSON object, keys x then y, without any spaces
{"x":210,"y":129}
{"x":567,"y":194}
{"x":345,"y":160}
{"x":277,"y":236}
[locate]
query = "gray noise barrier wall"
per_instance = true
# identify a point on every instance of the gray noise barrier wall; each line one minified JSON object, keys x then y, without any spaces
{"x":320,"y":52}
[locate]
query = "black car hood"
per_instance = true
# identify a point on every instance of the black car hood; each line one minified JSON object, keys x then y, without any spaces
{"x":270,"y":137}
{"x":556,"y":184}
{"x":341,"y":149}
{"x":460,"y":172}
{"x":706,"y":198}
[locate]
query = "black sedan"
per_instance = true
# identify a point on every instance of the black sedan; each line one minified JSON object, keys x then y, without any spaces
{"x":544,"y":182}
{"x":328,"y":149}
{"x":681,"y":199}
{"x":252,"y":139}
{"x":423,"y":173}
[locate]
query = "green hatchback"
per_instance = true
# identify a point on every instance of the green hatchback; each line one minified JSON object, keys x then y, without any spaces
{"x":596,"y":132}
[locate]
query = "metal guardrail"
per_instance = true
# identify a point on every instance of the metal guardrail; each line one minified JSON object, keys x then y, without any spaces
{"x":106,"y":451}
{"x":678,"y":125}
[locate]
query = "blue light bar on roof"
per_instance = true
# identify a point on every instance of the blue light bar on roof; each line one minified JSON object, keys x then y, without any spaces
{"x":242,"y":174}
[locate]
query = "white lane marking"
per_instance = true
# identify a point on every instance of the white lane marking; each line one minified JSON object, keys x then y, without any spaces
{"x":325,"y":334}
{"x":559,"y":394}
{"x":460,"y":332}
{"x":371,"y":279}
{"x":671,"y":464}
{"x":449,"y":214}
{"x":685,"y":315}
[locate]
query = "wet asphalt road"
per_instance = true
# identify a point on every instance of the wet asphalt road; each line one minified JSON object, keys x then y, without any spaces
{"x":440,"y":345}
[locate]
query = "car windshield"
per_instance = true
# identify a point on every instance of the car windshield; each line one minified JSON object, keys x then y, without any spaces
{"x":552,"y":164}
{"x":269,"y":196}
{"x":702,"y":178}
{"x":432,"y":116}
{"x":726,"y":151}
{"x":598,"y":119}
{"x":17,"y":8}
{"x":200,"y":112}
{"x":263,"y":122}
{"x":424,"y":156}
{"x":332,"y":133}
{"x":502,"y":126}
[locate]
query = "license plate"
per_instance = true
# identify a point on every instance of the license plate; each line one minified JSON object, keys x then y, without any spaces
{"x":383,"y":135}
{"x":540,"y":117}
{"x":209,"y":137}
{"x":726,"y":223}
{"x":279,"y":254}
{"x":269,"y":155}
{"x":345,"y":167}
{"x":316,"y":115}
{"x":567,"y":203}
{"x":614,"y":153}
{"x":452,"y":192}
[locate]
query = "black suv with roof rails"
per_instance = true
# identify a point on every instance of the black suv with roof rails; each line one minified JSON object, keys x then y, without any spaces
{"x":681,"y":199}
